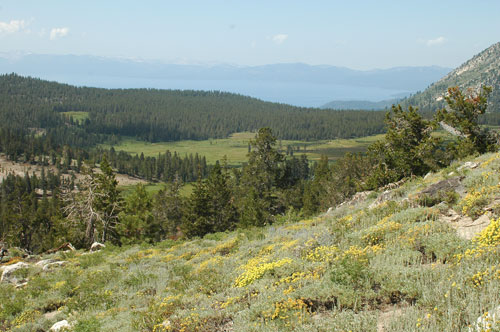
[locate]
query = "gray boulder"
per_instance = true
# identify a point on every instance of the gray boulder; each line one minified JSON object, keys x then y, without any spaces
{"x":44,"y":262}
{"x":358,"y":198}
{"x":50,"y":266}
{"x":444,"y":185}
{"x":383,"y":197}
{"x":8,"y":274}
{"x":60,"y":326}
{"x":96,"y":246}
{"x":468,"y":165}
{"x":487,"y":322}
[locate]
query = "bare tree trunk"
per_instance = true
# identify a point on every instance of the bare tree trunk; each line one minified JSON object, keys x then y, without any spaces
{"x":104,"y":231}
{"x":89,"y":232}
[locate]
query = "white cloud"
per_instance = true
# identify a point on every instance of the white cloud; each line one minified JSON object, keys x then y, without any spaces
{"x":58,"y":33}
{"x":436,"y":41}
{"x":279,"y":38}
{"x":12,"y":26}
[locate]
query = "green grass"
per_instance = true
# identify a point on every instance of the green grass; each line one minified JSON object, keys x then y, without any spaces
{"x":80,"y":116}
{"x":235,"y":148}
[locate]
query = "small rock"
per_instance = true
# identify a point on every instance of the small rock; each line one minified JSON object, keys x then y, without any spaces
{"x":495,"y":204}
{"x":44,"y":262}
{"x":427,"y":175}
{"x":8,"y":271}
{"x":96,"y":246}
{"x":451,"y":173}
{"x":444,"y":185}
{"x":49,"y":266}
{"x":469,"y":165}
{"x":383,"y":197}
{"x":60,"y":325}
{"x":393,"y":185}
{"x":487,"y":321}
{"x":50,"y":315}
{"x":356,"y":199}
{"x":465,"y":226}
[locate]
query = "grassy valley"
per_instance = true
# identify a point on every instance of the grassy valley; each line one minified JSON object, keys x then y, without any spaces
{"x":235,"y":148}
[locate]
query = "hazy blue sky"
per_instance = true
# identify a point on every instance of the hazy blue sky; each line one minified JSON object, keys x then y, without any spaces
{"x":355,"y":34}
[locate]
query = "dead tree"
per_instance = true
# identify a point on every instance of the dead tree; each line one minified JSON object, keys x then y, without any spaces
{"x":95,"y":204}
{"x":80,"y":205}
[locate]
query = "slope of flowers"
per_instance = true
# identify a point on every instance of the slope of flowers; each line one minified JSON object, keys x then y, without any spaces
{"x":336,"y":272}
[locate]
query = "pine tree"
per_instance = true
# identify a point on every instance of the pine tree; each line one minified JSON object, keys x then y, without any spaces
{"x":108,"y":202}
{"x":315,"y":190}
{"x":462,"y":116}
{"x":407,"y":149}
{"x":169,"y":208}
{"x":211,"y":208}
{"x":259,"y":180}
{"x":136,"y":220}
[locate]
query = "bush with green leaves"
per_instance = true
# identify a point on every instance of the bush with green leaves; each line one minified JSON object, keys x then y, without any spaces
{"x":407,"y":149}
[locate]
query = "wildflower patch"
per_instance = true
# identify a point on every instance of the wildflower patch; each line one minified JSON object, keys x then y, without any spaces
{"x":256,"y":268}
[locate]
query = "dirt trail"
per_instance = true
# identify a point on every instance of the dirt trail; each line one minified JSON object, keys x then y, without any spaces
{"x":387,"y":315}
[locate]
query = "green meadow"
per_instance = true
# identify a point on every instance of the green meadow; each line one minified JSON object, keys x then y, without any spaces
{"x":235,"y":148}
{"x":80,"y":116}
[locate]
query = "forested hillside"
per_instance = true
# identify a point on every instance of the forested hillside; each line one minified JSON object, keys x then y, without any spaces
{"x":482,"y":69}
{"x":161,"y":115}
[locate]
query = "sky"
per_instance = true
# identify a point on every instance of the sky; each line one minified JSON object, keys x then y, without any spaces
{"x":355,"y":34}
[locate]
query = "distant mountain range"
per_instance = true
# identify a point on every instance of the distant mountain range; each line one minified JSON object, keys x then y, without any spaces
{"x":294,"y":83}
{"x":482,"y":69}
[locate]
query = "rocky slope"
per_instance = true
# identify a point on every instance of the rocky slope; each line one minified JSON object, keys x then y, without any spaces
{"x":482,"y":69}
{"x":421,"y":254}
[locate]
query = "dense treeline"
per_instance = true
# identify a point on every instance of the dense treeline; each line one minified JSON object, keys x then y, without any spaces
{"x":167,"y":115}
{"x":47,"y":150}
{"x":166,"y":167}
{"x":30,"y":210}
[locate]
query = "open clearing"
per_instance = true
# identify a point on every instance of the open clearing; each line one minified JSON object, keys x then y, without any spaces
{"x":235,"y":148}
{"x":80,"y":116}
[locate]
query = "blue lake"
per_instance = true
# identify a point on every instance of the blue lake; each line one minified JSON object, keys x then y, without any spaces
{"x":294,"y":93}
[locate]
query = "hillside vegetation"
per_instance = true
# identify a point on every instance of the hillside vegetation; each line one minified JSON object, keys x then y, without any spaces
{"x":482,"y":69}
{"x":394,"y":260}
